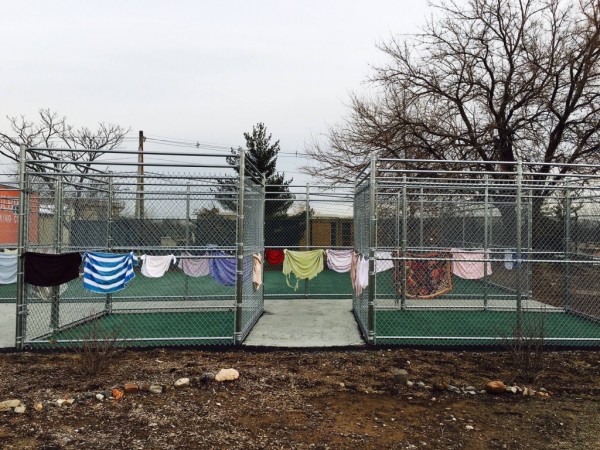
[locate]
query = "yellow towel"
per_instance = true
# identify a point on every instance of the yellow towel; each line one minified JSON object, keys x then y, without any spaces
{"x":304,"y":264}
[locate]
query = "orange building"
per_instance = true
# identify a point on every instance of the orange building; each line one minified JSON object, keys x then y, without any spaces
{"x":9,"y":221}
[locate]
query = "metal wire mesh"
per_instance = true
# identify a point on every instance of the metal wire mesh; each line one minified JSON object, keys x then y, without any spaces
{"x":478,"y":259}
{"x":318,"y":217}
{"x":362,"y":232}
{"x":186,"y":215}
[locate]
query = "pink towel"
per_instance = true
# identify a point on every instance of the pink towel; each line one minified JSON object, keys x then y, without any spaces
{"x":339,"y":260}
{"x":469,"y":264}
{"x":194,"y":267}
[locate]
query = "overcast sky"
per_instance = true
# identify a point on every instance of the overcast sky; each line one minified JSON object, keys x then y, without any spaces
{"x":205,"y":71}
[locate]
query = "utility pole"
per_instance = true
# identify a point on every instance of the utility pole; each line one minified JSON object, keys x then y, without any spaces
{"x":139,"y":204}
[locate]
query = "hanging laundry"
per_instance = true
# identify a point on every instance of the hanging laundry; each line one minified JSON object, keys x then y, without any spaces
{"x":509,"y":259}
{"x":193,"y":267}
{"x":427,"y":277}
{"x":45,"y":292}
{"x":44,"y":269}
{"x":257,"y":271}
{"x":303,"y":264}
{"x":339,"y":260}
{"x":274,"y":256}
{"x":383,"y":261}
{"x":10,"y":251}
{"x":107,"y":272}
{"x":353,"y":267}
{"x":223,"y":270}
{"x":362,"y":274}
{"x":470,"y":264}
{"x":156,"y":266}
{"x":8,"y":268}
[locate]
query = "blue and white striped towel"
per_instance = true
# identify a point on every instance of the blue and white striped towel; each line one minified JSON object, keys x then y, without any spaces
{"x":107,"y":272}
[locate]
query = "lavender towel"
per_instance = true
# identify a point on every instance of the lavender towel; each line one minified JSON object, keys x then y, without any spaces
{"x":223,"y":270}
{"x":194,"y":267}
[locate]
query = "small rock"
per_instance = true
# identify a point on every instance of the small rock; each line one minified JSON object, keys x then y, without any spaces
{"x":130,"y":388}
{"x":410,"y":383}
{"x":342,"y":385}
{"x":207,"y":377}
{"x":470,"y":388}
{"x":439,"y":386}
{"x":100,"y":397}
{"x":182,"y":382}
{"x":145,"y":387}
{"x":117,"y":394}
{"x":543,"y":389}
{"x":512,"y":389}
{"x":420,"y":384}
{"x":454,"y":389}
{"x":227,"y":375}
{"x":9,"y":404}
{"x":400,"y":375}
{"x":495,"y":387}
{"x":88,"y":395}
{"x":38,"y":406}
{"x":60,"y":401}
{"x":20,"y":409}
{"x":469,"y":427}
{"x":155,"y":389}
{"x":69,"y":401}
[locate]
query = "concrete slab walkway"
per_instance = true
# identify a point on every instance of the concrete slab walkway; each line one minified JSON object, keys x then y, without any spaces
{"x":8,"y":319}
{"x":306,"y":323}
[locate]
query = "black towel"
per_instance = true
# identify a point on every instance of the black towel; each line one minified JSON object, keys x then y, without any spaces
{"x":43,"y":269}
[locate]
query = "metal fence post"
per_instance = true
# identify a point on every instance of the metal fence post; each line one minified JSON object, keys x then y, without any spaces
{"x":518,"y":206}
{"x":486,"y":244}
{"x":240,"y":250}
{"x":58,"y":237}
{"x":404,"y":240}
{"x":109,"y":237}
{"x":20,"y":300}
{"x":308,"y":234}
{"x":372,"y":246}
{"x":567,"y":253}
{"x":397,"y":243}
{"x":187,"y":236}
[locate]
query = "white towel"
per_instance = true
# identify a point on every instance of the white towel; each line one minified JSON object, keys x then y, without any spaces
{"x":156,"y":266}
{"x":383,"y":261}
{"x":8,"y":268}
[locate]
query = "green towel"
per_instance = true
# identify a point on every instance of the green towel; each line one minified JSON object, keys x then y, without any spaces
{"x":305,"y":265}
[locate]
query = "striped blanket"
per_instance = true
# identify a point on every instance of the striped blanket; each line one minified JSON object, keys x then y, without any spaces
{"x":107,"y":272}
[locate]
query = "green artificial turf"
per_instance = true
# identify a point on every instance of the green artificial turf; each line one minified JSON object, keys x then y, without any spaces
{"x":154,"y":328}
{"x":396,"y":327}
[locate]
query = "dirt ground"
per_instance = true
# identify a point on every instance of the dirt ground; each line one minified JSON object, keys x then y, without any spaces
{"x":301,"y":399}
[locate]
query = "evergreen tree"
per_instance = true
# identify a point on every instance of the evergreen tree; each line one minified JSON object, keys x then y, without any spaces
{"x":261,"y":155}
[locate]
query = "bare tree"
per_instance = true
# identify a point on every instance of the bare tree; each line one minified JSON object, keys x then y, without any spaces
{"x":63,"y":141}
{"x":486,"y":80}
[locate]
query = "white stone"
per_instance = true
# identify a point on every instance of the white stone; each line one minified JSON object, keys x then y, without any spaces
{"x":8,"y":404}
{"x":182,"y":382}
{"x":60,"y":401}
{"x":409,"y":383}
{"x":227,"y":375}
{"x":156,"y":389}
{"x":100,"y":397}
{"x":469,"y":427}
{"x":20,"y":409}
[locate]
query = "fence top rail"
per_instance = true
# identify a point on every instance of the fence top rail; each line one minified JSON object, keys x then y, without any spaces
{"x":44,"y":152}
{"x":488,"y":163}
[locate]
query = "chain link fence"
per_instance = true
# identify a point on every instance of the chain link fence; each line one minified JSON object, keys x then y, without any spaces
{"x":210,"y":224}
{"x":462,"y":256}
{"x":311,"y":217}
